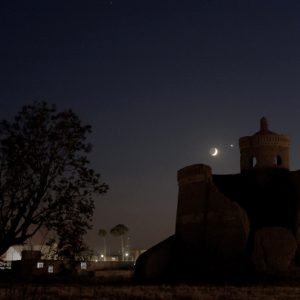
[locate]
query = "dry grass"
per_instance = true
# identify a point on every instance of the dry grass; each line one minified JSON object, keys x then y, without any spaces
{"x":116,"y":285}
{"x":155,"y":292}
{"x":167,"y":292}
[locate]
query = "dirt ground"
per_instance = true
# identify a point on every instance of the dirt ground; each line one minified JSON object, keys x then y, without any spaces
{"x":117,"y":285}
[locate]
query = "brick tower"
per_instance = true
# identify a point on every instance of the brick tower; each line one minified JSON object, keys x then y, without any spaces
{"x":265,"y":149}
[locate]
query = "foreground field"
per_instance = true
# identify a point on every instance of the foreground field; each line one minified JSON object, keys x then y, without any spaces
{"x":152,"y":292}
{"x":118,"y":285}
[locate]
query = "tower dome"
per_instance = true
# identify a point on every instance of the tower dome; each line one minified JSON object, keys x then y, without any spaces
{"x":265,"y":149}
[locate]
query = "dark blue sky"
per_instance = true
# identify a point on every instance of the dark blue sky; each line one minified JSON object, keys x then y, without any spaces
{"x":160,"y":82}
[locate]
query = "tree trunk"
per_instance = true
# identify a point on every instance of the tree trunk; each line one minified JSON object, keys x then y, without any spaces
{"x":104,"y":248}
{"x":122,"y":247}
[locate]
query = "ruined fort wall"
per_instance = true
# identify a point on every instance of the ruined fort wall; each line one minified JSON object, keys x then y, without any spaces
{"x":192,"y":201}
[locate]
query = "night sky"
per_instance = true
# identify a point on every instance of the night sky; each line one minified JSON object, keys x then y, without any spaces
{"x":161,"y":82}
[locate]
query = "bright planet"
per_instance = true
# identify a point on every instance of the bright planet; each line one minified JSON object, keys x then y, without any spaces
{"x":213,"y":151}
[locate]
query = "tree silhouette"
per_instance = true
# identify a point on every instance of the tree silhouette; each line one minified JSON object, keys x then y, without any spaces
{"x":119,"y":231}
{"x":102,"y":233}
{"x":45,"y":179}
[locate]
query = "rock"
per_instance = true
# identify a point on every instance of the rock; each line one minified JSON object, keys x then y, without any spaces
{"x":213,"y":230}
{"x":274,"y":250}
{"x":156,"y":263}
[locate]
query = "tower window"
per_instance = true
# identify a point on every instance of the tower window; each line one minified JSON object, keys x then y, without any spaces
{"x":278,"y":160}
{"x":253,"y":162}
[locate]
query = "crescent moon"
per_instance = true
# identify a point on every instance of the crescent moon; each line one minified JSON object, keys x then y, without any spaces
{"x":214,"y":151}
